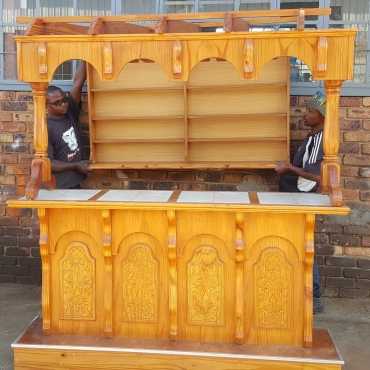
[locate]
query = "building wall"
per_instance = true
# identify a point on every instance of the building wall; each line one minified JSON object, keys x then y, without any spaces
{"x":342,"y":243}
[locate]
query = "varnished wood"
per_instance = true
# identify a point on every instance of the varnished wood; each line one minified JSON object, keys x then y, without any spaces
{"x":308,"y":289}
{"x":184,"y":16}
{"x":33,"y":350}
{"x":45,"y":257}
{"x":330,"y":168}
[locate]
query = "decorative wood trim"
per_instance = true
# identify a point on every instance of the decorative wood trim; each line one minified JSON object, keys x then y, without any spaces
{"x":161,"y":26}
{"x":253,"y":197}
{"x":228,"y":22}
{"x":107,"y":60}
{"x":174,"y":196}
{"x":177,"y":59}
{"x":239,"y":278}
{"x":249,"y":68}
{"x":308,"y":290}
{"x":97,"y":26}
{"x":322,"y":56}
{"x":46,"y":266}
{"x":300,"y":19}
{"x":172,"y":259}
{"x":108,"y":275}
{"x":43,"y":59}
{"x":330,"y":168}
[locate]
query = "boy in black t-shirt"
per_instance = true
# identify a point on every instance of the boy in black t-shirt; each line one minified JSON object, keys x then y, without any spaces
{"x":64,"y":146}
{"x":303,"y":175}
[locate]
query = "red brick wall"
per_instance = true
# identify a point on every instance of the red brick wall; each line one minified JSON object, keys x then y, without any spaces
{"x":342,"y":243}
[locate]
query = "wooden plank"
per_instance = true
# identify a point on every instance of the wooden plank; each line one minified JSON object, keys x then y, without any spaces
{"x":183,"y":16}
{"x":184,"y":165}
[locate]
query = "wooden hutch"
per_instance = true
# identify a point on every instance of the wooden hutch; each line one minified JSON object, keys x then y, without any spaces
{"x":179,"y":279}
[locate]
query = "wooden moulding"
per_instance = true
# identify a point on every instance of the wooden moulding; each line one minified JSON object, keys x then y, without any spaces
{"x":330,"y":167}
{"x":239,"y":279}
{"x":108,"y":274}
{"x":322,"y":56}
{"x":46,"y":274}
{"x":249,"y":59}
{"x":107,"y":60}
{"x":177,"y":59}
{"x":172,"y":260}
{"x":43,"y":59}
{"x":308,"y":290}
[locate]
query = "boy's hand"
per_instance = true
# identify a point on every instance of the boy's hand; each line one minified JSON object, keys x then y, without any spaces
{"x":283,"y":167}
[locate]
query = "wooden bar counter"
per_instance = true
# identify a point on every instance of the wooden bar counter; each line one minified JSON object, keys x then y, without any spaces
{"x":210,"y":267}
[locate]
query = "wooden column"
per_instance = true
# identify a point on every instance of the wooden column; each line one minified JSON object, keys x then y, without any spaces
{"x":308,"y":282}
{"x":41,"y":167}
{"x":40,"y":135}
{"x":330,"y":171}
{"x":45,"y":257}
{"x":239,"y":278}
{"x":108,"y":272}
{"x":172,"y":260}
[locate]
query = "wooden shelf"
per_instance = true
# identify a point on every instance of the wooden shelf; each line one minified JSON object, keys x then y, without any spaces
{"x":138,"y":140}
{"x":238,"y":115}
{"x":250,"y":86}
{"x":183,"y":165}
{"x":162,"y":89}
{"x":130,"y":118}
{"x":236,"y":139}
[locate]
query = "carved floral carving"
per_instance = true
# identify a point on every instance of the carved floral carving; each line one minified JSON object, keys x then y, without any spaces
{"x":205,"y":275}
{"x":273,"y":286}
{"x":140,"y":281}
{"x":77,"y":277}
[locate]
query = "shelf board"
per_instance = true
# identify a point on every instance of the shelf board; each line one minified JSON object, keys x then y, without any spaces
{"x":138,"y":140}
{"x":184,"y":165}
{"x":236,"y":139}
{"x":250,"y":86}
{"x":238,"y":115}
{"x":140,"y":89}
{"x":130,"y":118}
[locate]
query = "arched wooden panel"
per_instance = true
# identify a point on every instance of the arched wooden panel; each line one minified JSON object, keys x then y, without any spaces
{"x":274,"y":292}
{"x":77,"y":271}
{"x":140,"y":278}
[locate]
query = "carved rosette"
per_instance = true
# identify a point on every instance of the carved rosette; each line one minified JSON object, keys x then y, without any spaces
{"x":273,"y":287}
{"x":205,"y":278}
{"x":77,"y":277}
{"x":140,"y":282}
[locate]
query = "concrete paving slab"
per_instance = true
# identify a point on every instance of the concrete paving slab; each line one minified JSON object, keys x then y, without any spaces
{"x":347,"y":319}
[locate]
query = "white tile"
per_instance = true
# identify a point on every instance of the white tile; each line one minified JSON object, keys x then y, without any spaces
{"x":66,"y":194}
{"x":214,"y":197}
{"x":160,"y":196}
{"x":297,"y":199}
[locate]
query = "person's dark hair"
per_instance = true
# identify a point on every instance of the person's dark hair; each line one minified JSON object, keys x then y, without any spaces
{"x":53,"y":88}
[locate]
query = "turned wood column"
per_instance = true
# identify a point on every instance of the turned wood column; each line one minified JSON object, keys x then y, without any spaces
{"x":40,"y":134}
{"x":330,"y":171}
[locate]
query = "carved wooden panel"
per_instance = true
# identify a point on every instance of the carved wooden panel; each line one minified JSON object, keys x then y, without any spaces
{"x":140,"y":274}
{"x":206,"y":276}
{"x":140,"y":285}
{"x":274,"y":285}
{"x":206,"y":287}
{"x":273,"y":282}
{"x":77,"y":280}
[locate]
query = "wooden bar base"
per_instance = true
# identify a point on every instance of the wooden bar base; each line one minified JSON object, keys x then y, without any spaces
{"x":35,"y":350}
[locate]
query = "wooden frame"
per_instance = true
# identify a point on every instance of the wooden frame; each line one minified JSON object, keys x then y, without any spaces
{"x":175,"y":43}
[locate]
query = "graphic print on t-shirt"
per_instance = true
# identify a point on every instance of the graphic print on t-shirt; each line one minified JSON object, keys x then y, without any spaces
{"x":69,"y":137}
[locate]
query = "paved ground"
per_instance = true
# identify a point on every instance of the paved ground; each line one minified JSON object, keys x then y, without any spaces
{"x":347,"y":319}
